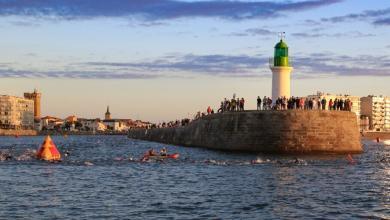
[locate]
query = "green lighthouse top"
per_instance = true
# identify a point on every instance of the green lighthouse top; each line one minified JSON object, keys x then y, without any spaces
{"x":281,"y":54}
{"x":281,"y":44}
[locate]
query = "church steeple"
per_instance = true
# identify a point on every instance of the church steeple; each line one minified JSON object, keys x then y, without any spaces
{"x":108,"y":114}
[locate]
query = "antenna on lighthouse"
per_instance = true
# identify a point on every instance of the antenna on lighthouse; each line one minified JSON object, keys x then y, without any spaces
{"x":282,"y":35}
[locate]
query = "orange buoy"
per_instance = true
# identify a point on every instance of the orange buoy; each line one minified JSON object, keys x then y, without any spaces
{"x":48,"y":151}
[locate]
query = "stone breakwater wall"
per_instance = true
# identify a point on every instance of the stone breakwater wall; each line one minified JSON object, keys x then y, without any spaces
{"x":292,"y":131}
{"x":4,"y":132}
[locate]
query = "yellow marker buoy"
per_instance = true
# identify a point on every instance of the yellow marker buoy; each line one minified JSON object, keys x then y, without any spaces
{"x":48,"y":151}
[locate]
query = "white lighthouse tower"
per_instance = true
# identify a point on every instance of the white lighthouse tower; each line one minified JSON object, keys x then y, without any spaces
{"x":281,"y":71}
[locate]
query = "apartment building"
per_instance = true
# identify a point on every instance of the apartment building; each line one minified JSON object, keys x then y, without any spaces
{"x":16,"y":112}
{"x":378,"y":112}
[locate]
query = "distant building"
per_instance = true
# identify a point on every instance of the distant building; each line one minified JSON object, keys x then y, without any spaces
{"x":116,"y":125}
{"x":95,"y":125}
{"x":36,"y":97}
{"x":377,"y":109}
{"x":354,"y":99}
{"x":107,"y":116}
{"x":71,"y":119}
{"x":51,"y":123}
{"x":16,"y":112}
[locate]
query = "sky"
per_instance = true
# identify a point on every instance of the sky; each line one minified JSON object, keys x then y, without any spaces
{"x":161,"y":60}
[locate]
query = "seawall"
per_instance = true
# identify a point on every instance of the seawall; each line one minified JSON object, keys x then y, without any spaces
{"x":292,"y":131}
{"x":376,"y":134}
{"x":6,"y":132}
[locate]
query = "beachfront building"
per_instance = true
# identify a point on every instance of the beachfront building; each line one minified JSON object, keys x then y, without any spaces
{"x":16,"y":112}
{"x":374,"y":107}
{"x":281,"y":71}
{"x":354,"y":99}
{"x":387,"y":113}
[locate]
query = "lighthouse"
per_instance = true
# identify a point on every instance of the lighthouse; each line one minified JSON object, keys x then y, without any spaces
{"x":281,"y":70}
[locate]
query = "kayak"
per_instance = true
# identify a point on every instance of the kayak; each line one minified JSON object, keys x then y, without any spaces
{"x":159,"y":157}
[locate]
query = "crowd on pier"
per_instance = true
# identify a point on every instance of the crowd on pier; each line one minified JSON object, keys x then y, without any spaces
{"x":303,"y":103}
{"x":232,"y":105}
{"x":266,"y":103}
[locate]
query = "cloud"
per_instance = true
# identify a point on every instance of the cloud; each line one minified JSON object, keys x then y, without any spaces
{"x":215,"y":65}
{"x":351,"y":34}
{"x":24,"y":23}
{"x":154,"y":10}
{"x":313,"y":33}
{"x":255,"y":32}
{"x":307,"y":66}
{"x":312,"y":22}
{"x":12,"y":73}
{"x":373,"y":16}
{"x":342,"y":65}
{"x":384,"y":21}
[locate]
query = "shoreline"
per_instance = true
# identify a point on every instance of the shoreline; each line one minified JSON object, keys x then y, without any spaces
{"x":41,"y":133}
{"x":27,"y":133}
{"x":6,"y":133}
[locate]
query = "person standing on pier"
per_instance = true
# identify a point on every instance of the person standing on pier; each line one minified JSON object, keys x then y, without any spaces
{"x":258,"y":103}
{"x":242,"y":104}
{"x":265,"y":103}
{"x":209,"y":110}
{"x":323,"y":102}
{"x":319,"y":104}
{"x":330,"y":106}
{"x":233,"y":104}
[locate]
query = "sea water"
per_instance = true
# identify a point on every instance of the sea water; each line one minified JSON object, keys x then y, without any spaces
{"x":102,"y":178}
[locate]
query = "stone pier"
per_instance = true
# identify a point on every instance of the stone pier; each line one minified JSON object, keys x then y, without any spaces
{"x":290,"y":132}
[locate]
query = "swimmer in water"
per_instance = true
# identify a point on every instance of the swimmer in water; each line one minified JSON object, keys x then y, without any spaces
{"x":163,"y":152}
{"x":151,"y":152}
{"x":5,"y":156}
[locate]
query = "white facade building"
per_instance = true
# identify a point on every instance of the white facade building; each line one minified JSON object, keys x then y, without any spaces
{"x":387,"y":113}
{"x":16,"y":112}
{"x":377,"y":110}
{"x":116,"y":125}
{"x":93,"y":125}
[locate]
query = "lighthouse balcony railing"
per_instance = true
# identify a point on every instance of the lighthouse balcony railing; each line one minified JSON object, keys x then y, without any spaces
{"x":288,"y":62}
